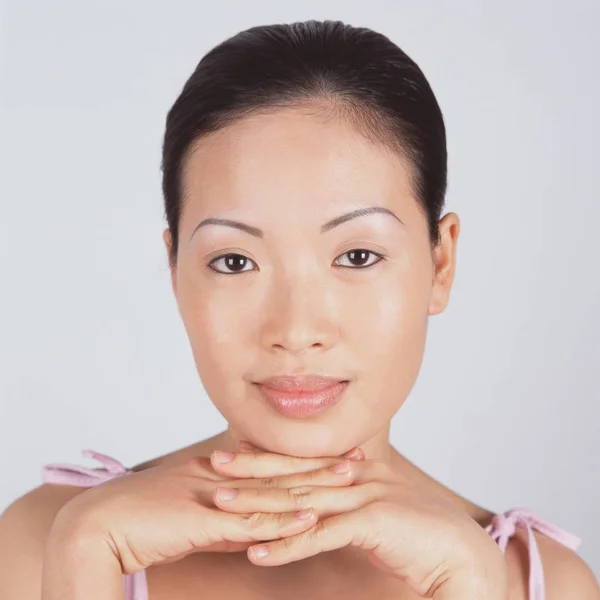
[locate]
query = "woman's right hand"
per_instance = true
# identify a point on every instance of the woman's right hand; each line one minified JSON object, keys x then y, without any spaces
{"x":164,"y":513}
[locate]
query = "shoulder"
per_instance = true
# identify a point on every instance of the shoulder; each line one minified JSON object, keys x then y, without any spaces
{"x":24,"y":528}
{"x":566,"y":574}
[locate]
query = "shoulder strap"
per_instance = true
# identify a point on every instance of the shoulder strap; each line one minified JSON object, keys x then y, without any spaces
{"x":503,"y":527}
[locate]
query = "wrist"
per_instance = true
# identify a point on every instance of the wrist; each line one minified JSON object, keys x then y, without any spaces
{"x":79,"y":563}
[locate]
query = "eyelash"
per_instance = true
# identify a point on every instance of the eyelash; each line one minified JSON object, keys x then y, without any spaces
{"x":379,"y":255}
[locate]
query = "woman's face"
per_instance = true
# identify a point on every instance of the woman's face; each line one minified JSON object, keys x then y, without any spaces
{"x":295,"y":299}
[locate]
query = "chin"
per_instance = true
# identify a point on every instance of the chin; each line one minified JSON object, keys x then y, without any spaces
{"x":300,"y":438}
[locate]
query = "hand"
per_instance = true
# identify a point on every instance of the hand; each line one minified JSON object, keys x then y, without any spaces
{"x":407,"y":531}
{"x":164,"y":513}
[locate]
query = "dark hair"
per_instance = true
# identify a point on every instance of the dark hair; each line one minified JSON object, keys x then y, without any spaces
{"x":356,"y":72}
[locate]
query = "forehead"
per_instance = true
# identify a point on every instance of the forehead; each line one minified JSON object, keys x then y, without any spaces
{"x":292,"y":155}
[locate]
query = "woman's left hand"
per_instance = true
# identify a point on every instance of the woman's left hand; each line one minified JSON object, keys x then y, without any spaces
{"x":409,"y":532}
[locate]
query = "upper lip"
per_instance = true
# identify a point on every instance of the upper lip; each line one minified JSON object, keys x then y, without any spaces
{"x":309,"y":383}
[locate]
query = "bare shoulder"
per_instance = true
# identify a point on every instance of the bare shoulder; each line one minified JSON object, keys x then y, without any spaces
{"x":566,"y":574}
{"x":24,"y":528}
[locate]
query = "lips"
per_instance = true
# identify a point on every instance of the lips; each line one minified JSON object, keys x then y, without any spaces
{"x":300,"y":383}
{"x":302,"y":396}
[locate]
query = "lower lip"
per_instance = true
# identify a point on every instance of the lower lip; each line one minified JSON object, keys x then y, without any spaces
{"x":302,"y":405}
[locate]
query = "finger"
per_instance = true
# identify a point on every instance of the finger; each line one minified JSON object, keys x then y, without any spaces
{"x":341,"y":473}
{"x":265,"y":464}
{"x":355,"y":454}
{"x":325,"y":501}
{"x":257,"y":526}
{"x":329,"y":534}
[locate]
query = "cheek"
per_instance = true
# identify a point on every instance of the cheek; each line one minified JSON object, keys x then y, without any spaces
{"x":398,"y":339}
{"x":382,"y":323}
{"x":216,"y":325}
{"x":390,"y":335}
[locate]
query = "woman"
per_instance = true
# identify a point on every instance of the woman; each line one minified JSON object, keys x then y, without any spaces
{"x":304,"y":180}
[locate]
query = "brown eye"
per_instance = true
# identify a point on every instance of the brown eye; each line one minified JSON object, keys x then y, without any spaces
{"x":359,"y":258}
{"x":234,"y":263}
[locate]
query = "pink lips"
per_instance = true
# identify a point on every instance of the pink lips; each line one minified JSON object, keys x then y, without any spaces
{"x":302,"y":396}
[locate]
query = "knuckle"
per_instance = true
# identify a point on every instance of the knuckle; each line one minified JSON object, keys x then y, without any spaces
{"x":269,"y":482}
{"x":318,"y":531}
{"x":288,"y":543}
{"x":258,"y":521}
{"x":280,"y":519}
{"x":299,"y":497}
{"x":255,"y":520}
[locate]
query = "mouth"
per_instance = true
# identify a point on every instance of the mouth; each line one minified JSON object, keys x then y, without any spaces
{"x":302,"y":397}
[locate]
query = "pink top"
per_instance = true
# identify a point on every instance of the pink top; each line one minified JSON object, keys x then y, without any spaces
{"x":502,"y":527}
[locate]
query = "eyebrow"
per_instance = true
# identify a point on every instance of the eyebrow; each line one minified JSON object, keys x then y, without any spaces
{"x":259,"y":233}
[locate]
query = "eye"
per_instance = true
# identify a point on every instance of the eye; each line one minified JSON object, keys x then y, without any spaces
{"x":361,"y":256}
{"x":235,"y":262}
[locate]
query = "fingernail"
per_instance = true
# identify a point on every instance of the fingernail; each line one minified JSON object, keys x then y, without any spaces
{"x":224,"y":493}
{"x":259,"y":551}
{"x":223,"y":457}
{"x":341,"y":468}
{"x":354,"y":454}
{"x":304,"y":514}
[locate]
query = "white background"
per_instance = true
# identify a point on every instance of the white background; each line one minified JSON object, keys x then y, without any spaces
{"x":505,"y":410}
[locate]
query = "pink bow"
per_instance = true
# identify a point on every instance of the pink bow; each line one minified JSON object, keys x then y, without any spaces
{"x":79,"y":476}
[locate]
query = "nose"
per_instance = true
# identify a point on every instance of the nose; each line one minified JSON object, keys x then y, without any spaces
{"x":299,"y":318}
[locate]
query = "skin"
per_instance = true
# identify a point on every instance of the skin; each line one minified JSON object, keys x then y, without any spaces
{"x":288,"y":172}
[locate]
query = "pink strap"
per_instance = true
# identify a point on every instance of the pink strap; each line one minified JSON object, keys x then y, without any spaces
{"x":136,"y":585}
{"x":503,"y":527}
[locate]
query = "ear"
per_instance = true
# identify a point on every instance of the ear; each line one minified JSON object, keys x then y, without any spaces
{"x":168,"y":240}
{"x":444,"y":263}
